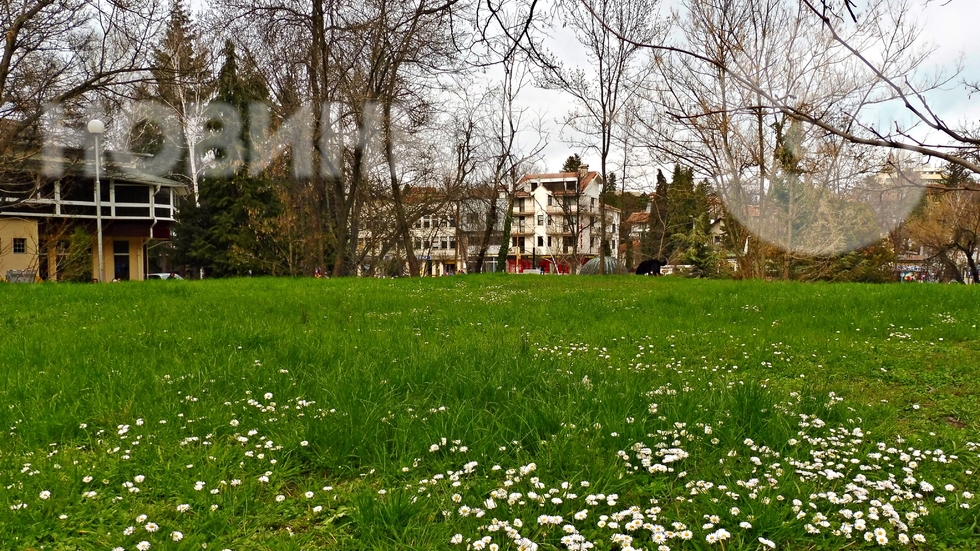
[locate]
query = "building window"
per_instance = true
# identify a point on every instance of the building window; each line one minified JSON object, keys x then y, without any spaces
{"x":540,"y":241}
{"x":120,"y":257}
{"x":452,"y":242}
{"x":549,"y":240}
{"x":540,"y":219}
{"x":20,"y":245}
{"x":551,"y":201}
{"x":445,"y":242}
{"x":132,"y":194}
{"x":513,"y":241}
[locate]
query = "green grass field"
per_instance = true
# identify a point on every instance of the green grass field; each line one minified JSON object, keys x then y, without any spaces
{"x":489,"y":412}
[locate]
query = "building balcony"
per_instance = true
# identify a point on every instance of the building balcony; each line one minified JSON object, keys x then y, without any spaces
{"x":74,"y":197}
{"x":443,"y":254}
{"x":435,"y":254}
{"x":560,"y":210}
{"x":558,"y":230}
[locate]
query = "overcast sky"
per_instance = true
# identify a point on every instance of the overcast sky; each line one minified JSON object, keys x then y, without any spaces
{"x":954,"y":29}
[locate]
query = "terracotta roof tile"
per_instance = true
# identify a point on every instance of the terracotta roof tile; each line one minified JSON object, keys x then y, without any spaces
{"x":638,"y":218}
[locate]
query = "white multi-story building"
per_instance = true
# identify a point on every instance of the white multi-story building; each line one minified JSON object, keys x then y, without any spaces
{"x":555,"y":228}
{"x":556,"y":223}
{"x":446,"y":235}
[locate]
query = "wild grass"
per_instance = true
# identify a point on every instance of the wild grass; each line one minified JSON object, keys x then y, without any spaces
{"x":499,"y":412}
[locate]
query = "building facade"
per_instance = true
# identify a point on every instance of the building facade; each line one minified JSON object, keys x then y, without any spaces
{"x":49,"y":233}
{"x":557,"y":222}
{"x":555,"y":228}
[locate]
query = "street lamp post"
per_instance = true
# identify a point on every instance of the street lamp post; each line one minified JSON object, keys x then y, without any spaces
{"x":97,"y":128}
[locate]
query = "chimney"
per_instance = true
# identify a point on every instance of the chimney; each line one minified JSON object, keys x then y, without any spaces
{"x":583,"y":170}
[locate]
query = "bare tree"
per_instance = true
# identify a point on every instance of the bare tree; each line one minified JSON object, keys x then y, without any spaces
{"x":818,"y":63}
{"x":367,"y":70}
{"x":507,"y":124}
{"x":59,"y":53}
{"x":948,"y":226}
{"x":878,"y":50}
{"x":788,"y":181}
{"x":697,"y":116}
{"x":961,"y":143}
{"x":572,"y":222}
{"x":611,"y":32}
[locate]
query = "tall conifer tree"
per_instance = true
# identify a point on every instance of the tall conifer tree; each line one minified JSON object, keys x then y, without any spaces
{"x":230,"y":232}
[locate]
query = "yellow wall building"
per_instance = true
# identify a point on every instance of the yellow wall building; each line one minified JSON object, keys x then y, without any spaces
{"x":18,"y":245}
{"x":51,"y":230}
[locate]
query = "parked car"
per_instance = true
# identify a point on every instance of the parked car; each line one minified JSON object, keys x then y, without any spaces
{"x":163,"y":275}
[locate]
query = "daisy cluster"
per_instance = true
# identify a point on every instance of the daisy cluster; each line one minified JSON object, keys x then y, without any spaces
{"x":569,"y":514}
{"x":825,"y":483}
{"x":492,"y":294}
{"x":648,"y":448}
{"x":144,"y":484}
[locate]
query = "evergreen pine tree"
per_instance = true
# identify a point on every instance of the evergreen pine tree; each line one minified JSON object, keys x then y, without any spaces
{"x":694,"y":249}
{"x":176,"y":63}
{"x":229,"y":231}
{"x":572,"y":163}
{"x":657,"y":237}
{"x":682,"y":201}
{"x":788,"y":197}
{"x":609,"y":189}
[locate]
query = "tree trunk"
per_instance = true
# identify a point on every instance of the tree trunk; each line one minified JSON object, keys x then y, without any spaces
{"x":505,"y":234}
{"x":401,"y":221}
